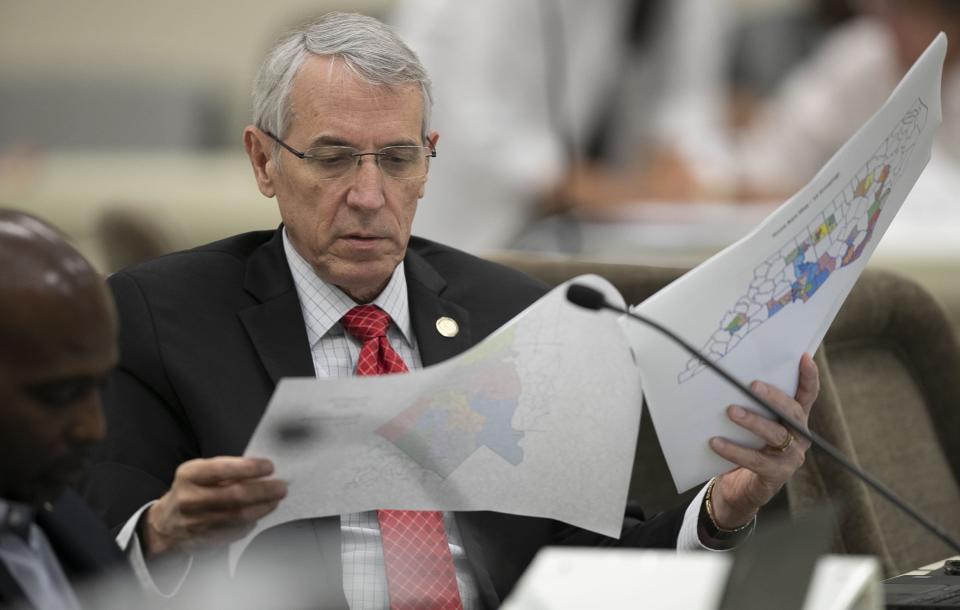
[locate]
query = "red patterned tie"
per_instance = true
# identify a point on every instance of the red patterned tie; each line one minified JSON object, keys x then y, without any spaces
{"x":420,"y":572}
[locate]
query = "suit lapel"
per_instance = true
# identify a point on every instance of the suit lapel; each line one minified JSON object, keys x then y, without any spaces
{"x":276,"y":328}
{"x":9,"y":589}
{"x":83,"y":546}
{"x":424,"y":287}
{"x":275,"y":325}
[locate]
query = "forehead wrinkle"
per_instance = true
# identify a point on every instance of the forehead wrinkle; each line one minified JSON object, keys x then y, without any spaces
{"x":348,"y":76}
{"x":344,"y":97}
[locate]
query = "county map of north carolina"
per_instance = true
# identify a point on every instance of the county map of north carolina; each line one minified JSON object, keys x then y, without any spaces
{"x":836,"y":237}
{"x":474,"y":408}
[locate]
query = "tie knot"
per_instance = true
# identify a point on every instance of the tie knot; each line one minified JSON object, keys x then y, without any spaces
{"x":366,"y":322}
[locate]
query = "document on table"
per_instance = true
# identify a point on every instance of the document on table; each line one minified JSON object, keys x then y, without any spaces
{"x":755,"y":307}
{"x":540,"y":419}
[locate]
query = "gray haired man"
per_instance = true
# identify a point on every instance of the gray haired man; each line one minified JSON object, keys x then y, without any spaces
{"x":342,"y":141}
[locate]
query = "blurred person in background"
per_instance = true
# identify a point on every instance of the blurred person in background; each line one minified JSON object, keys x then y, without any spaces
{"x":824,"y":100}
{"x":551,"y":105}
{"x":57,"y":347}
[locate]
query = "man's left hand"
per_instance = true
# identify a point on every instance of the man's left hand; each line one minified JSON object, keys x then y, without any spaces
{"x":739,"y":494}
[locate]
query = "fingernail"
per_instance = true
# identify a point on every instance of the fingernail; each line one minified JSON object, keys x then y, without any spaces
{"x":737,"y":412}
{"x":716,"y":442}
{"x":759,"y":388}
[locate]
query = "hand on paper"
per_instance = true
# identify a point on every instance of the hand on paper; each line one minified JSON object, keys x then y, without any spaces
{"x":739,"y":494}
{"x":211,"y":501}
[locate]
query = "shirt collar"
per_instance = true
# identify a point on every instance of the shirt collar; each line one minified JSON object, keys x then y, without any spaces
{"x":323,"y":304}
{"x":16,"y":517}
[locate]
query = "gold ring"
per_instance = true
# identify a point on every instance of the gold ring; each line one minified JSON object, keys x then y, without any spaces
{"x":783,"y":447}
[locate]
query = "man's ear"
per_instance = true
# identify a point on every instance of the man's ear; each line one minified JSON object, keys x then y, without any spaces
{"x":432,"y":139}
{"x":260,"y":152}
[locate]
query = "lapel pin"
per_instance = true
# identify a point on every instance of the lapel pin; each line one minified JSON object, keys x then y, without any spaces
{"x":447,"y":327}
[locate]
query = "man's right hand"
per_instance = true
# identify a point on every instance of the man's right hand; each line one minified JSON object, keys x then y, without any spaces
{"x":212,"y":501}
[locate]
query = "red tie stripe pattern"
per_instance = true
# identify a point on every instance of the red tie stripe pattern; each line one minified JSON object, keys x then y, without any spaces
{"x":420,"y":572}
{"x":368,"y":324}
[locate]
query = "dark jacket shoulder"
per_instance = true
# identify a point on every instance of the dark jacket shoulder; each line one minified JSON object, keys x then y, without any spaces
{"x":483,"y":284}
{"x":488,"y":276}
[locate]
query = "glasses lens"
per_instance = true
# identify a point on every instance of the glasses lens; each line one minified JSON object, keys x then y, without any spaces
{"x":331,"y":161}
{"x":404,"y":161}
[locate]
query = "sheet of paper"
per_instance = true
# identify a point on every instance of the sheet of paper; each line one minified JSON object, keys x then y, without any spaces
{"x":563,"y":578}
{"x":755,"y":307}
{"x":539,"y":419}
{"x":574,"y":578}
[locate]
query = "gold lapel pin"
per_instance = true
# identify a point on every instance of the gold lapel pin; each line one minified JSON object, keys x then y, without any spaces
{"x":447,"y":327}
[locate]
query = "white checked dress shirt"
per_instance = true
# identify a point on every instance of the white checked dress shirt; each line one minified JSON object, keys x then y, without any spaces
{"x":31,"y":561}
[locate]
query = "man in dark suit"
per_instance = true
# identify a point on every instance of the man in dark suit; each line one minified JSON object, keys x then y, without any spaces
{"x":342,"y":141}
{"x":57,"y":346}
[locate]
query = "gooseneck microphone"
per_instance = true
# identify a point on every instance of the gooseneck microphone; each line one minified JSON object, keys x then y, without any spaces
{"x":589,"y":298}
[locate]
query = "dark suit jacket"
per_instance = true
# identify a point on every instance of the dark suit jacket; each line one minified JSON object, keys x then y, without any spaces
{"x":206,"y":334}
{"x":83,"y":545}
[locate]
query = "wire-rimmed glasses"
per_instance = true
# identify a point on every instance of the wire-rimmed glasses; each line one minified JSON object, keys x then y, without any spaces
{"x":331,"y":162}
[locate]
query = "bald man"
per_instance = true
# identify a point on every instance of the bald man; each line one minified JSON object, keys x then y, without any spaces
{"x":57,"y":346}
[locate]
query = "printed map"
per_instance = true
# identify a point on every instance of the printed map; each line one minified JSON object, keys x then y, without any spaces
{"x":441,"y":431}
{"x":834,"y":239}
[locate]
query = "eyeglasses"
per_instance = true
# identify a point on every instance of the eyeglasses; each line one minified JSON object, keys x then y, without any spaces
{"x":330,"y":162}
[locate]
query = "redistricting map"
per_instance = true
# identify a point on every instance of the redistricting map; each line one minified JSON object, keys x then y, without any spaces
{"x":834,"y":239}
{"x":441,"y":431}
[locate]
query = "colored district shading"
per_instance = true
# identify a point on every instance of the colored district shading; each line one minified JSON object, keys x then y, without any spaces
{"x":840,"y":240}
{"x":854,"y":249}
{"x":825,"y":228}
{"x":475,"y":409}
{"x":810,"y":276}
{"x":738,"y":322}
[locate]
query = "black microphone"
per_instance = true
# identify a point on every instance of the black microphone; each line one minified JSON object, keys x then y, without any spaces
{"x":590,"y":298}
{"x":585,"y":297}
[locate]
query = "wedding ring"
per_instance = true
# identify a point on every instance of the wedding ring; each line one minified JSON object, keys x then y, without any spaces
{"x":783,"y":447}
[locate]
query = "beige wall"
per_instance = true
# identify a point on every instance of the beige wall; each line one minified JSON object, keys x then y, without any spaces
{"x":218,"y":42}
{"x":180,"y":197}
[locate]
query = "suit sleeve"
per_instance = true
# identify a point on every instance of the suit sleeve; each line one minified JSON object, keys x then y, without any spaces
{"x":148,"y":435}
{"x":658,"y":532}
